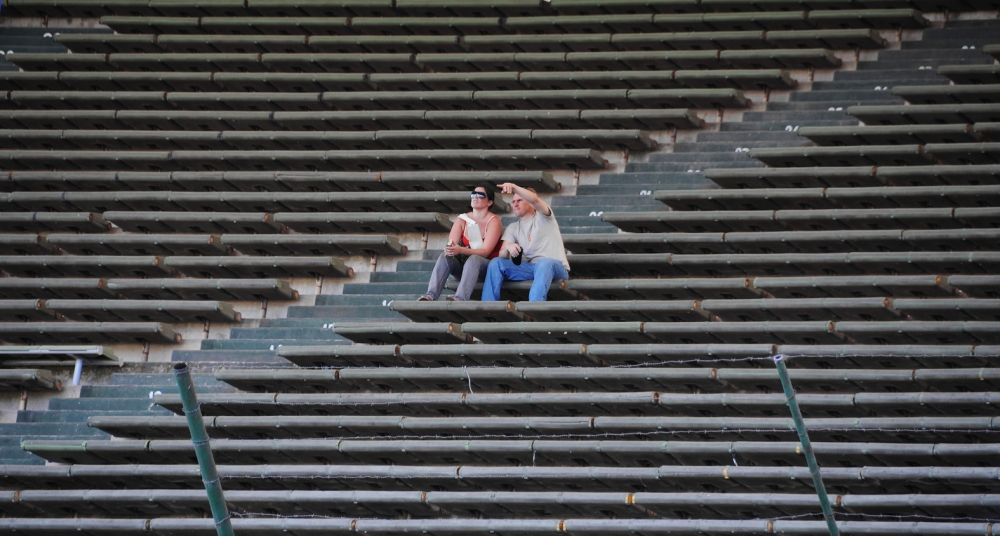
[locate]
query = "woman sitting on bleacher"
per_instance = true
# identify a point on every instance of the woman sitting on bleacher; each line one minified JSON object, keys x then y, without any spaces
{"x":474,"y":240}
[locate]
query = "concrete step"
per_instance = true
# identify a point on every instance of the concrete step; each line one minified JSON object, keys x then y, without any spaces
{"x":64,"y":430}
{"x":735,"y":137}
{"x":840,"y":95}
{"x":157,"y":380}
{"x":952,"y":55}
{"x":387,"y":289}
{"x":231,"y":358}
{"x":930,"y":64}
{"x":415,"y":266}
{"x":723,"y":155}
{"x":972,"y":23}
{"x":639,"y":189}
{"x":952,"y":42}
{"x":360,"y":300}
{"x":71,"y":416}
{"x":862,"y":85}
{"x":580,"y":200}
{"x":399,"y":277}
{"x":596,"y":208}
{"x":261,"y":345}
{"x":644,"y":179}
{"x":787,"y":126}
{"x":794,"y":117}
{"x":343,"y":313}
{"x":587,"y":230}
{"x":829,"y":106}
{"x":268,"y":333}
{"x":138,"y":391}
{"x":102,"y":404}
{"x":886,"y":76}
{"x":734,"y":147}
{"x":647,"y":167}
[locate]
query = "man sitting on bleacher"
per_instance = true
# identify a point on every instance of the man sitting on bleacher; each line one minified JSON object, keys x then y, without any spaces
{"x":532,"y":248}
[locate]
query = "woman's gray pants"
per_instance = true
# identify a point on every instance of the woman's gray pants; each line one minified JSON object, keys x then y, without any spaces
{"x":468,"y":274}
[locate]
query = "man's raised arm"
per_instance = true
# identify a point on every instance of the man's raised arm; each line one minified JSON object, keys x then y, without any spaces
{"x":529,"y":196}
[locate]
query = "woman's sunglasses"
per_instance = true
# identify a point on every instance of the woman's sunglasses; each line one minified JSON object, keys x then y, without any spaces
{"x":480,"y":195}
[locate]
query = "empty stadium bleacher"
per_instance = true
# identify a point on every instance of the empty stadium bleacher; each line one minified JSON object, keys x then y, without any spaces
{"x":260,"y":188}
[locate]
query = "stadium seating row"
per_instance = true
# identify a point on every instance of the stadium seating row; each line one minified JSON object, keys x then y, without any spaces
{"x":477,"y":81}
{"x":394,"y":44}
{"x":625,"y":333}
{"x":758,"y":264}
{"x":239,"y":201}
{"x":361,"y":121}
{"x":118,"y":310}
{"x":238,"y":160}
{"x":96,"y":266}
{"x":386,"y":8}
{"x":584,"y":265}
{"x":812,"y":58}
{"x":146,"y":289}
{"x":880,"y":155}
{"x":681,"y":378}
{"x":635,"y":140}
{"x":916,"y":286}
{"x":902,"y":134}
{"x":443,"y":526}
{"x":601,"y":99}
{"x":465,"y":504}
{"x":786,"y":241}
{"x":727,"y":310}
{"x":803,"y":220}
{"x":860,"y":176}
{"x":493,"y":25}
{"x":832,"y":198}
{"x":730,"y":288}
{"x":958,"y":94}
{"x":185,"y":244}
{"x":271,"y":181}
{"x":654,"y":478}
{"x":87,"y":332}
{"x":971,"y":74}
{"x":317,"y":439}
{"x":227,"y":222}
{"x":910,"y":114}
{"x":649,"y":403}
{"x":28,"y":380}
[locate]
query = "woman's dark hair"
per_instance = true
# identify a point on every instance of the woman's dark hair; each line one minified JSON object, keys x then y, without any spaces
{"x":490,"y":191}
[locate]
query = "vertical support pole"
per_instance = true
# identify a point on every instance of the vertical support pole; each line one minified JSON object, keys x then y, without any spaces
{"x":77,"y":371}
{"x":800,"y":427}
{"x":203,"y":449}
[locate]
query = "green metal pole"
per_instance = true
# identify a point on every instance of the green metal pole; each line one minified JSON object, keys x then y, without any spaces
{"x":800,"y":427}
{"x":203,"y":449}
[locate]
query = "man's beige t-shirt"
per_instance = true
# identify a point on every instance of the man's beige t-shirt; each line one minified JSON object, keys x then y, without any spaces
{"x":539,"y":237}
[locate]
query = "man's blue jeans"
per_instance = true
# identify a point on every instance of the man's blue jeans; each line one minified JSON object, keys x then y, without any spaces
{"x":542,"y":272}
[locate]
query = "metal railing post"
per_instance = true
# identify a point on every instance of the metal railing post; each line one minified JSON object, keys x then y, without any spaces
{"x":203,"y":449}
{"x":800,"y":427}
